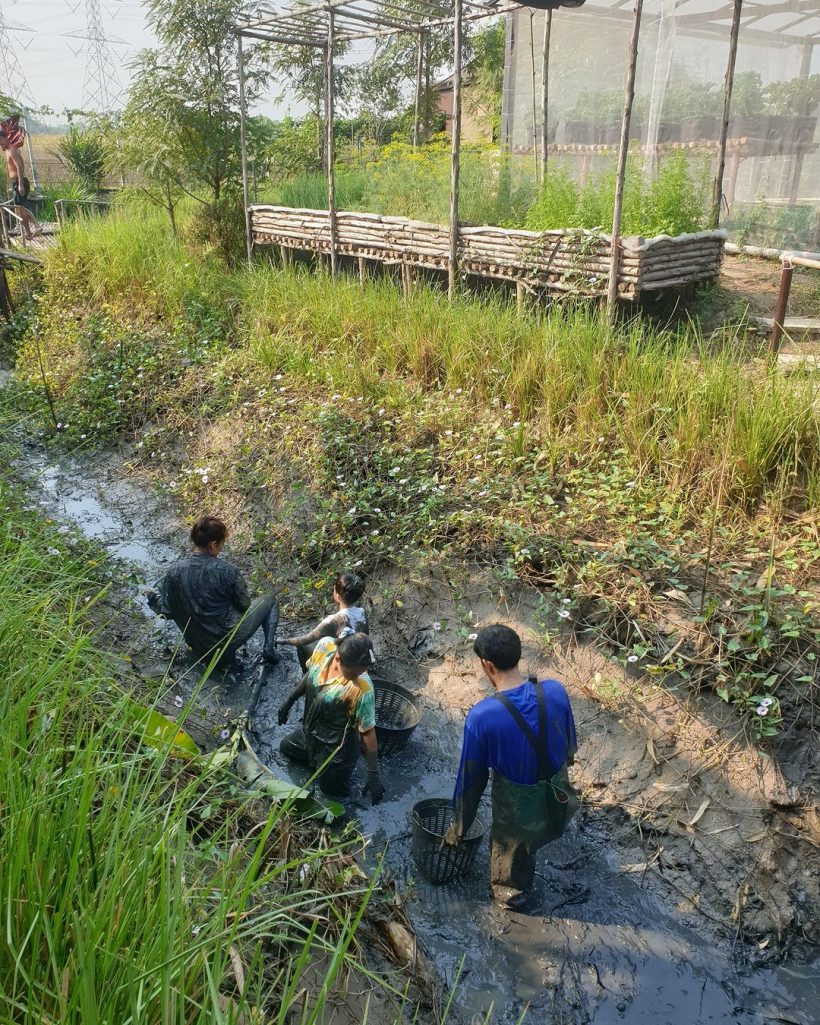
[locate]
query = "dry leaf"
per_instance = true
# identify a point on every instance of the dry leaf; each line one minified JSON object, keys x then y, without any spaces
{"x":757,"y":836}
{"x":650,"y":748}
{"x":704,"y":804}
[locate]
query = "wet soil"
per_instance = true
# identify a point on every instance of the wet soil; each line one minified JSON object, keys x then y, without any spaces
{"x":632,"y":919}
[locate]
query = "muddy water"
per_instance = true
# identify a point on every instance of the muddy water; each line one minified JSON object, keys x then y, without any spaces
{"x":597,"y":947}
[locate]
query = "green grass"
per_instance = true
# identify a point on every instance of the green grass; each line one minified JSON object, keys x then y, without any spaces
{"x":132,"y":882}
{"x":383,"y":427}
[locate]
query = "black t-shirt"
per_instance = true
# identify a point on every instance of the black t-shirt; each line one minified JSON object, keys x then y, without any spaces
{"x":205,"y":596}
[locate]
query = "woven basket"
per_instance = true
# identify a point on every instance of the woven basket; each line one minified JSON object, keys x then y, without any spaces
{"x":398,"y":713}
{"x":439,"y":864}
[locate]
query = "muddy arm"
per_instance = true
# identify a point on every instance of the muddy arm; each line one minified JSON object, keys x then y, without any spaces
{"x":327,"y":628}
{"x":290,"y":700}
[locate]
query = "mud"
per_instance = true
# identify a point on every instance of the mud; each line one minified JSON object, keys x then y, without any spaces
{"x":606,"y":940}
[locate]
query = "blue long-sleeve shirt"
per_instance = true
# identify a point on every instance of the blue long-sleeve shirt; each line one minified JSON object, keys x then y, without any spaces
{"x":494,"y":740}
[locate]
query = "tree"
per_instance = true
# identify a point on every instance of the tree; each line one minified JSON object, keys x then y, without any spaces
{"x":184,"y":101}
{"x":485,"y":72}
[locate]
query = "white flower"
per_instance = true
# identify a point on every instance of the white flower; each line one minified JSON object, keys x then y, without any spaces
{"x":64,"y":530}
{"x":567,"y":601}
{"x":767,"y":702}
{"x":632,"y":658}
{"x":374,"y":533}
{"x":471,"y":637}
{"x":205,"y":479}
{"x":762,"y":709}
{"x":352,"y":510}
{"x":459,"y":391}
{"x":179,"y":701}
{"x":224,"y":734}
{"x":563,"y":614}
{"x":436,"y":626}
{"x":448,"y":433}
{"x":54,"y":551}
{"x":83,"y":437}
{"x":357,"y":563}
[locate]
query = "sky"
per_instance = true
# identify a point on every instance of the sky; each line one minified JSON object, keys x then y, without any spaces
{"x":44,"y":40}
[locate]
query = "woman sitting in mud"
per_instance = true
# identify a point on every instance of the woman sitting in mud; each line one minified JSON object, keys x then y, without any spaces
{"x":347,"y":591}
{"x":339,"y":717}
{"x":208,"y":599}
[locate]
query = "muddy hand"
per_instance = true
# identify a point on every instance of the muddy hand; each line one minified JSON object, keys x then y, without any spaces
{"x":283,"y":713}
{"x":374,"y":787}
{"x":452,"y":838}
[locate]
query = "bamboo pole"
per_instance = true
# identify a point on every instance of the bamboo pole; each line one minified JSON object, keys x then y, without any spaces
{"x":329,"y":141}
{"x":532,"y":75}
{"x":623,"y":151}
{"x":728,"y":82}
{"x":545,"y":91}
{"x":455,"y":152}
{"x":417,"y":111}
{"x":244,"y":149}
{"x":426,"y":86}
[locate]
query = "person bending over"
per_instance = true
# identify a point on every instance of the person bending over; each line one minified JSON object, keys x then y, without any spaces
{"x":347,"y":591}
{"x":339,"y":718}
{"x":525,"y":734}
{"x":208,"y":599}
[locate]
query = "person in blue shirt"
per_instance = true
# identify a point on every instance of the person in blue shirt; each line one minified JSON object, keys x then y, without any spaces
{"x":525,"y":734}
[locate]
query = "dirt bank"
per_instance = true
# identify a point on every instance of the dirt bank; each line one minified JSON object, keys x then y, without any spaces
{"x":686,"y":890}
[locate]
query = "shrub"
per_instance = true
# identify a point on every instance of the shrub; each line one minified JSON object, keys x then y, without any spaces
{"x":83,"y":152}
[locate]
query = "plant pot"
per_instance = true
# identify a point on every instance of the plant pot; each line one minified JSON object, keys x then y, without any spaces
{"x":694,"y":129}
{"x":669,"y":131}
{"x":579,"y":132}
{"x":745,"y":126}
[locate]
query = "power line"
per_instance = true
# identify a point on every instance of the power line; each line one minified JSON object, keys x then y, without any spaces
{"x":13,"y":81}
{"x":102,"y":88}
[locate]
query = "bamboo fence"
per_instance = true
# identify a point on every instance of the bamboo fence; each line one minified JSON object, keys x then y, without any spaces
{"x":572,"y":260}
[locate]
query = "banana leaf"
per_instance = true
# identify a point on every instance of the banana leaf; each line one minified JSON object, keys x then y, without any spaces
{"x":259,"y":777}
{"x":158,"y":732}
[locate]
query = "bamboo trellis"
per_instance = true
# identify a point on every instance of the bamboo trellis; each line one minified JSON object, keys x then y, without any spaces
{"x":321,"y":23}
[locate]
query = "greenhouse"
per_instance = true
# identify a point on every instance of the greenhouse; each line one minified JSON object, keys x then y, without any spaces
{"x":771,"y":187}
{"x":644,"y":107}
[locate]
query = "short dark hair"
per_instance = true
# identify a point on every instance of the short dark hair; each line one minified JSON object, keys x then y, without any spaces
{"x":349,"y":586}
{"x":208,"y":529}
{"x":498,"y":644}
{"x":356,"y":651}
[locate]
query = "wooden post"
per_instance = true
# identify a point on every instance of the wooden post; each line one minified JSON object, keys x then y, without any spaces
{"x":329,"y":142}
{"x":629,"y":96}
{"x":417,"y":111}
{"x":532,"y":74}
{"x":545,"y":91}
{"x":781,"y":309}
{"x":426,"y":86}
{"x":717,"y":194}
{"x":362,"y":269}
{"x":243,"y":150}
{"x":455,"y":151}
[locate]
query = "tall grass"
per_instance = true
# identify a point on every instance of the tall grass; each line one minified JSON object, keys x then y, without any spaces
{"x":664,"y":399}
{"x":130,"y":889}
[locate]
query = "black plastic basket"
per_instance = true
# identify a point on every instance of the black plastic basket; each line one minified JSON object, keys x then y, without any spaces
{"x":438,"y":863}
{"x":398,"y":713}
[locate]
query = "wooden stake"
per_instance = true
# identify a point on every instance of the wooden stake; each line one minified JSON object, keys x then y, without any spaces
{"x":417,"y":111}
{"x":728,"y":82}
{"x":532,"y":74}
{"x":455,"y":152}
{"x":329,"y":141}
{"x":243,"y":150}
{"x":545,"y":92}
{"x":623,"y":152}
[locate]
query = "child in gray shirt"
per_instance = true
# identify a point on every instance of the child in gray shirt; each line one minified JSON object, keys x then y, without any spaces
{"x":347,"y":591}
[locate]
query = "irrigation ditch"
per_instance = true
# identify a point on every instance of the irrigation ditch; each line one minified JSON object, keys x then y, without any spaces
{"x":687,"y":890}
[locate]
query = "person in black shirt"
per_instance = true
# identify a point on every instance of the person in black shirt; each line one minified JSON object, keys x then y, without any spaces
{"x":208,"y":599}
